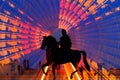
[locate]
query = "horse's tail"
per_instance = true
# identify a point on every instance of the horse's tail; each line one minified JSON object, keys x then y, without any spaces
{"x":85,"y":60}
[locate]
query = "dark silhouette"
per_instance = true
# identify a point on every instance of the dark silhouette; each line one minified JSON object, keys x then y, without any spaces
{"x":24,"y":64}
{"x":52,"y":47}
{"x":65,"y":42}
{"x":56,"y":58}
{"x":20,"y":69}
{"x":27,"y":64}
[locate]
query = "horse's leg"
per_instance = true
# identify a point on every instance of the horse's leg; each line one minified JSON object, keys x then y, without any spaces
{"x":85,"y":60}
{"x":76,"y":66}
{"x":71,"y":76}
{"x":44,"y":65}
{"x":53,"y":71}
{"x":81,"y":71}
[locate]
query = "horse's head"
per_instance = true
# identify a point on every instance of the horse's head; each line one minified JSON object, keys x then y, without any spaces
{"x":44,"y":42}
{"x":49,"y":41}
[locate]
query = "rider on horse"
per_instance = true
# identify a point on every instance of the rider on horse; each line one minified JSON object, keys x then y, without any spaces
{"x":65,"y":42}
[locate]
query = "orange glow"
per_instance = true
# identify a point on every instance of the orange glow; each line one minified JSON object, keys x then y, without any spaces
{"x":69,"y":68}
{"x":21,"y":11}
{"x":16,"y":56}
{"x":108,"y":13}
{"x":85,"y":75}
{"x":4,"y":18}
{"x":81,"y":1}
{"x":112,"y":77}
{"x":12,"y":43}
{"x":88,"y":23}
{"x":92,"y":8}
{"x":3,"y":52}
{"x":97,"y":18}
{"x":10,"y":50}
{"x":13,"y":36}
{"x":87,"y":3}
{"x":94,"y":64}
{"x":112,"y":0}
{"x":43,"y":75}
{"x":105,"y":72}
{"x":2,"y":44}
{"x":15,"y":49}
{"x":13,"y":29}
{"x":2,"y":35}
{"x":11,"y":5}
{"x":117,"y":9}
{"x":17,"y":17}
{"x":5,"y":61}
{"x":2,"y":26}
{"x":7,"y":12}
{"x":101,"y":1}
{"x":14,"y":22}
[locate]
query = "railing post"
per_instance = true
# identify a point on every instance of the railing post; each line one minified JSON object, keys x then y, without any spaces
{"x":100,"y":71}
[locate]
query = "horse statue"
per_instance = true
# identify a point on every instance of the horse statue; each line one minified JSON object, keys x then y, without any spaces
{"x":55,"y":56}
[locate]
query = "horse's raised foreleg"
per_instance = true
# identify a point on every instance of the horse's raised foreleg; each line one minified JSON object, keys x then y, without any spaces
{"x":44,"y":65}
{"x":71,"y":76}
{"x":81,"y":71}
{"x":53,"y":71}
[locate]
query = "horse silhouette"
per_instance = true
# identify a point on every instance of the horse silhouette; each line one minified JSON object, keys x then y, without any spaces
{"x":56,"y":56}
